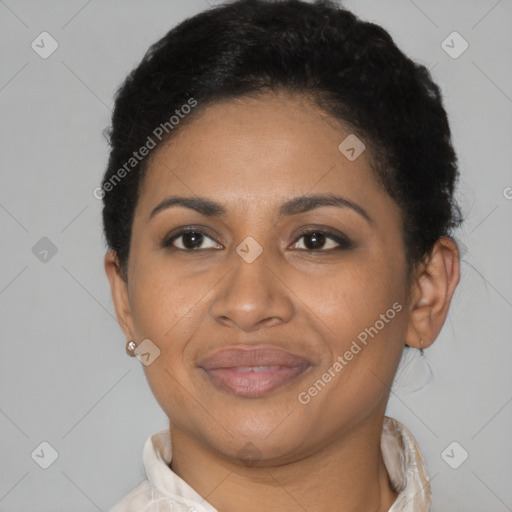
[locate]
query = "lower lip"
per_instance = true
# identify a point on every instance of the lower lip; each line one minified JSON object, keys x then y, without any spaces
{"x":253,"y":383}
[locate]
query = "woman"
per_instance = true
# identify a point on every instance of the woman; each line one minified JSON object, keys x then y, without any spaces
{"x":278,"y":206}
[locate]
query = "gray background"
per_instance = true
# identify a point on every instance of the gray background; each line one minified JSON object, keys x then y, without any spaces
{"x":64,"y":375}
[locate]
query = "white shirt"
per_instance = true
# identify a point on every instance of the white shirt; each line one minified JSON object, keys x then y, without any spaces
{"x":165,"y":491}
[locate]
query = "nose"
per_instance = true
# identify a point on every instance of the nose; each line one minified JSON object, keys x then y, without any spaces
{"x":252,"y":295}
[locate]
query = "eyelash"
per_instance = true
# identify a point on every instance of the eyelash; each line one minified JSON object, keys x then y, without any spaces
{"x":343,"y":241}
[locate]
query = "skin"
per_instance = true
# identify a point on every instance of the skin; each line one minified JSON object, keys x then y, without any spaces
{"x":251,"y":155}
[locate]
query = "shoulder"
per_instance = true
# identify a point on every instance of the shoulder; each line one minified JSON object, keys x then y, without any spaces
{"x":145,"y":498}
{"x":136,"y":500}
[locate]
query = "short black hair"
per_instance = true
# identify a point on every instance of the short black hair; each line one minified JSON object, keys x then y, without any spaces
{"x":350,"y":68}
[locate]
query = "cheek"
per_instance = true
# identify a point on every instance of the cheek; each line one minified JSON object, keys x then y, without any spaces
{"x":168,"y":312}
{"x":353,"y":297}
{"x":362,"y":313}
{"x":166,"y":306}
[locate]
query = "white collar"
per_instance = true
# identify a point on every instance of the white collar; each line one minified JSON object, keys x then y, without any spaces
{"x":406,"y":468}
{"x":164,"y":490}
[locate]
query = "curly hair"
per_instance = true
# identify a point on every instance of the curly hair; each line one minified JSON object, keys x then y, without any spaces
{"x":350,"y":68}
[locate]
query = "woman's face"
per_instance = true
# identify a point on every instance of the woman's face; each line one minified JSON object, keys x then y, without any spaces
{"x":323,"y":315}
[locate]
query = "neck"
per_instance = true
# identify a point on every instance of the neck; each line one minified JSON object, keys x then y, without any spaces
{"x":347,"y":474}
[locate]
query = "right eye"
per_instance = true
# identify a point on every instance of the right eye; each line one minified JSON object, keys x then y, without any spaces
{"x":192,"y":239}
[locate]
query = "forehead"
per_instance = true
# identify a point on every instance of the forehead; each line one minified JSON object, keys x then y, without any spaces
{"x":261,"y":150}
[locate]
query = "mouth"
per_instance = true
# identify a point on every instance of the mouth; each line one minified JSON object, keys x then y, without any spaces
{"x":253,"y":372}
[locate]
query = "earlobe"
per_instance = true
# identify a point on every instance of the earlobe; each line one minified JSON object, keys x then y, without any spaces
{"x":434,"y":286}
{"x":119,"y":291}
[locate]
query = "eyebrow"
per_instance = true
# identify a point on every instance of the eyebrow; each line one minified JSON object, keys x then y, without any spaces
{"x":294,"y":206}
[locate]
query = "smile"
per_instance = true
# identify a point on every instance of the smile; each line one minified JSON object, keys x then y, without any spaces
{"x":254,"y":372}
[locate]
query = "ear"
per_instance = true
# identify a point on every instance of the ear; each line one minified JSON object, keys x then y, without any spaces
{"x":433,"y":287}
{"x":119,"y":290}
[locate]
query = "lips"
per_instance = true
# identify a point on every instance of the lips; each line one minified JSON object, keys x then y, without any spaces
{"x":253,"y":372}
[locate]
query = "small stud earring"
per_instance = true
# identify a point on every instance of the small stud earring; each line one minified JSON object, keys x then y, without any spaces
{"x":130,"y":348}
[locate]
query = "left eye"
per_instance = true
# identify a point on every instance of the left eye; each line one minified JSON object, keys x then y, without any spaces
{"x":315,"y":238}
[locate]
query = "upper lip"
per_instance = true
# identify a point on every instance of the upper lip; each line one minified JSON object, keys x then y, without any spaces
{"x":252,"y":356}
